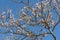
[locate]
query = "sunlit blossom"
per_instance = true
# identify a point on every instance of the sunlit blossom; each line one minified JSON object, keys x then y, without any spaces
{"x":23,"y":14}
{"x":19,"y":31}
{"x":6,"y":24}
{"x":30,"y":34}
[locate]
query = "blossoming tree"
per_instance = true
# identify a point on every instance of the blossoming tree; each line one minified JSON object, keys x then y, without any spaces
{"x":42,"y":18}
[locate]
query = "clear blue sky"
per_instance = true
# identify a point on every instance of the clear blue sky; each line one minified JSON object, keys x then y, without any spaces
{"x":8,"y":4}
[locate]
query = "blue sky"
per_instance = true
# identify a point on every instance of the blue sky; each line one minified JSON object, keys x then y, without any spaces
{"x":8,"y":4}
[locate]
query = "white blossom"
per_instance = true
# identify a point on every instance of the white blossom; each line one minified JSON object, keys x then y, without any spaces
{"x":19,"y":31}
